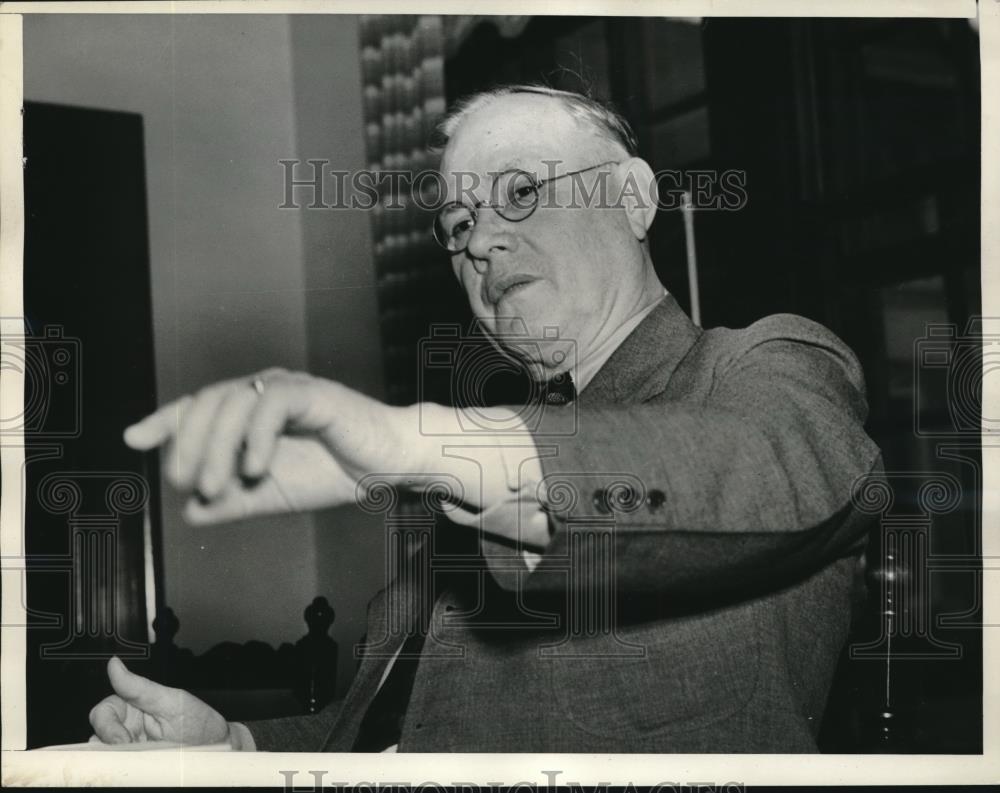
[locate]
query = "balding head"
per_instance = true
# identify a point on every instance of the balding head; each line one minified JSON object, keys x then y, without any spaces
{"x":600,"y":117}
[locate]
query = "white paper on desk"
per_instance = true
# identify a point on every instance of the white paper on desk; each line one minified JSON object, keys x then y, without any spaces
{"x":138,"y":746}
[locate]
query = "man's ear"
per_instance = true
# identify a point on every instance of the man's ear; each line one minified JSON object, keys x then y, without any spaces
{"x":638,"y":194}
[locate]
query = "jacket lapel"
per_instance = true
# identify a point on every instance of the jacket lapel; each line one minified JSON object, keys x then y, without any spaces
{"x":643,"y":364}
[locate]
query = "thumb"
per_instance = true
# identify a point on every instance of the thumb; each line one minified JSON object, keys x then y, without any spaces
{"x":138,"y":691}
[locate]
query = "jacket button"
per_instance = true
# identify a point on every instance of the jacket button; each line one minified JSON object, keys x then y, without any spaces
{"x":600,"y":502}
{"x":655,"y":499}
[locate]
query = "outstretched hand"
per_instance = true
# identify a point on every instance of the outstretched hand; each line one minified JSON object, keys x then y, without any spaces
{"x":295,"y":442}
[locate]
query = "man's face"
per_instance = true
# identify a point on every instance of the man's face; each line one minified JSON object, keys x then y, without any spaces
{"x":562,"y":268}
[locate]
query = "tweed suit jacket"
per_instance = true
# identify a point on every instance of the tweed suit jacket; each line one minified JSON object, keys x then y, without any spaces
{"x":698,"y":585}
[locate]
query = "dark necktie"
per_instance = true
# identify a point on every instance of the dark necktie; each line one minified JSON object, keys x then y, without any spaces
{"x":560,"y":390}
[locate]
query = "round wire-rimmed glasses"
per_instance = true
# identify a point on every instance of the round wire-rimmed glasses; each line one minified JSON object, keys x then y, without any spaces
{"x":519,"y":189}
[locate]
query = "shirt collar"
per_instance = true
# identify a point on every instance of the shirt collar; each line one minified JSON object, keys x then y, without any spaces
{"x":644,"y":362}
{"x":590,"y":365}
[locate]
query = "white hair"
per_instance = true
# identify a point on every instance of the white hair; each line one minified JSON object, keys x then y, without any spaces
{"x":606,"y":121}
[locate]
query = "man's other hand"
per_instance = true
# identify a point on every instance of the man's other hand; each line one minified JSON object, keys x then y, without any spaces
{"x":293,"y":443}
{"x":141,"y":710}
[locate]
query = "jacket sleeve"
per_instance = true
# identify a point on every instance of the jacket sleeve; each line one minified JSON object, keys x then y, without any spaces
{"x":749,"y":482}
{"x":294,"y":733}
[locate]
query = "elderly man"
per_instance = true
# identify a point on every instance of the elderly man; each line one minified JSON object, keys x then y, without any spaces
{"x":666,"y":558}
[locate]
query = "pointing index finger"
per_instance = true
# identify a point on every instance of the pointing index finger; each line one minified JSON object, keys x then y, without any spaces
{"x":157,"y":427}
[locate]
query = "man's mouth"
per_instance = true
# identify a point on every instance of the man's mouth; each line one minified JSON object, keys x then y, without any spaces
{"x":505,"y":286}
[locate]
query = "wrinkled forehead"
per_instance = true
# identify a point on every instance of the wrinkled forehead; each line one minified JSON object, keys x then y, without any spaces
{"x":524,"y":131}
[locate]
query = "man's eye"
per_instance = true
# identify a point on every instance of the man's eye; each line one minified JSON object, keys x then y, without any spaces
{"x":521,"y":195}
{"x":461,"y":227}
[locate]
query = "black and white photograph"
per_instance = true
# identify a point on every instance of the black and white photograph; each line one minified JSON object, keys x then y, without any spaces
{"x":497,"y":386}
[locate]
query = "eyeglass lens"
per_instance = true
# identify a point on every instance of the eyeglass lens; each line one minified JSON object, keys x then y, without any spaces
{"x":514,"y":196}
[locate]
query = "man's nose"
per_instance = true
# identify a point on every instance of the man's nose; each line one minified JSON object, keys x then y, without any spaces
{"x":491,"y":235}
